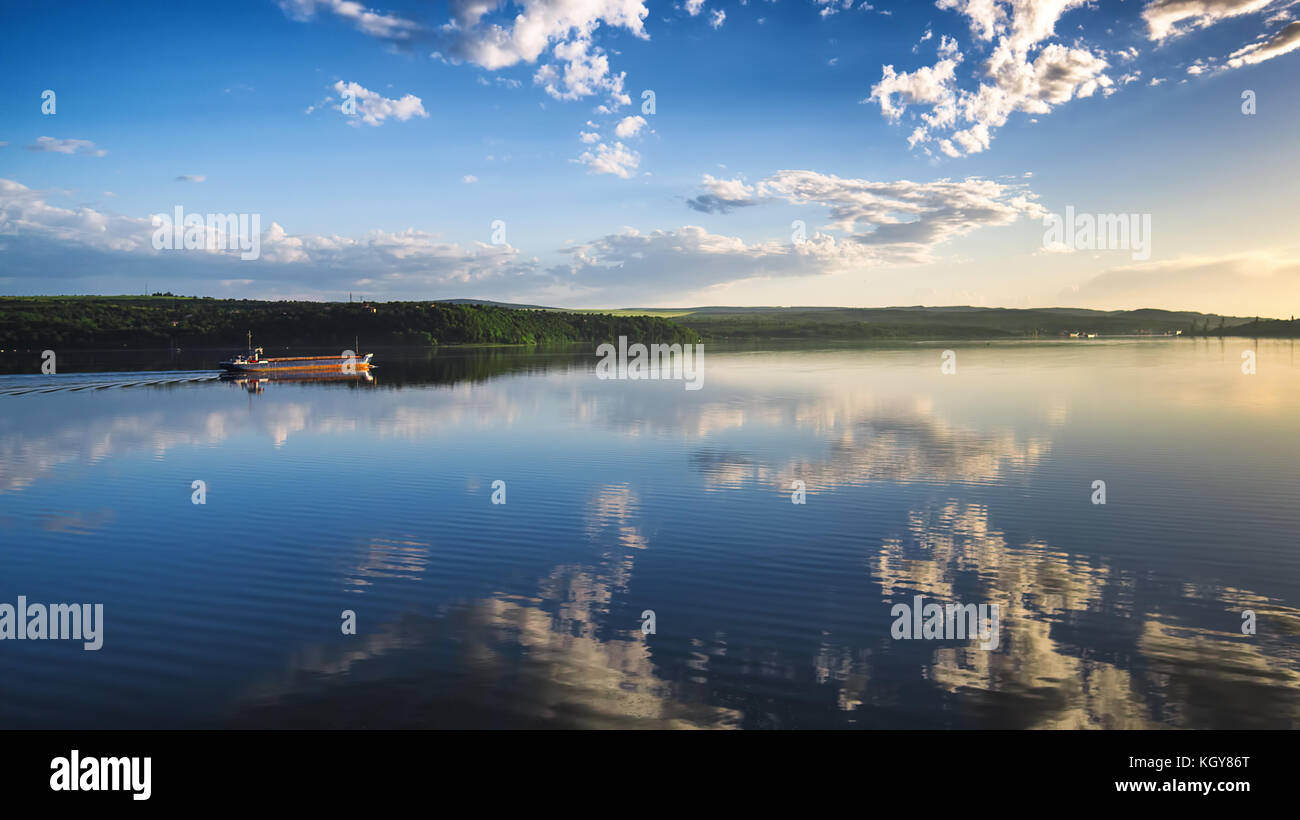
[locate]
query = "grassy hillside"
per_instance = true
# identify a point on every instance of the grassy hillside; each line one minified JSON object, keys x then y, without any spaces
{"x":166,"y":321}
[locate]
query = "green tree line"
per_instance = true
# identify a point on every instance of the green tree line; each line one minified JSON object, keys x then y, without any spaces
{"x":166,"y":321}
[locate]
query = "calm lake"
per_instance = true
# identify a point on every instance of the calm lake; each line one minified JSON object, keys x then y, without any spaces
{"x":375,"y":496}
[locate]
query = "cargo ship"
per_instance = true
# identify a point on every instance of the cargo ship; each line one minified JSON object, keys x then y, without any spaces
{"x":255,"y":362}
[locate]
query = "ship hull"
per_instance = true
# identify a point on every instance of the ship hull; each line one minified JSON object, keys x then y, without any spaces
{"x":300,"y":364}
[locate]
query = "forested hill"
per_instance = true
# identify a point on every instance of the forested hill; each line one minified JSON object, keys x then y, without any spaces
{"x":164,"y":320}
{"x":742,"y":323}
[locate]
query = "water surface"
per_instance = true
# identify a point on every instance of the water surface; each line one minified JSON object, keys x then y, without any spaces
{"x":376,"y":496}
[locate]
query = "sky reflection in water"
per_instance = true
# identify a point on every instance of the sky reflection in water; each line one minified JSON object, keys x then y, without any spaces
{"x":621,"y":497}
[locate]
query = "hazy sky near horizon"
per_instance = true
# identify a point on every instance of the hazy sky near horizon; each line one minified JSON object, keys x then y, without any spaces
{"x":614,"y":153}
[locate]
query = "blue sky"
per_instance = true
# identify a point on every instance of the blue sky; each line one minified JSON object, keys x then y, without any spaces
{"x":921,"y":145}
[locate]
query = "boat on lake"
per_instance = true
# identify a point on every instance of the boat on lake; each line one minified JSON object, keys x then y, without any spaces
{"x":256,"y":362}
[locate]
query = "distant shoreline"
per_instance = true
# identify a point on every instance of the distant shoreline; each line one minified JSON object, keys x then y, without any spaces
{"x":165,"y":321}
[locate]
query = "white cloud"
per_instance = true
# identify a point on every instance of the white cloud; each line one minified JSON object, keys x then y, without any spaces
{"x":1283,"y":42}
{"x":723,"y":195}
{"x":830,"y":7}
{"x":691,"y":258}
{"x":191,"y":178}
{"x":717,"y":16}
{"x":565,"y":28}
{"x":61,"y":146}
{"x":1172,"y":18}
{"x":470,"y":179}
{"x":494,"y":35}
{"x":868,"y":224}
{"x":39,"y":235}
{"x":585,"y":72}
{"x":376,"y":24}
{"x":927,"y":85}
{"x":1023,"y":73}
{"x":693,"y":7}
{"x":881,"y":223}
{"x":373,"y":108}
{"x":629,"y":127}
{"x":907,"y":216}
{"x":618,"y":160}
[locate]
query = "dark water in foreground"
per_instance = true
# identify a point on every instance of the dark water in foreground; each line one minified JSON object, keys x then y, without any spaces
{"x":376,"y":496}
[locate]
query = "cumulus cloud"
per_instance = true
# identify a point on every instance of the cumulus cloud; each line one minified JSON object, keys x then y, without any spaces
{"x":870,"y":224}
{"x":629,"y":127}
{"x":723,"y":195}
{"x":66,"y":146}
{"x":373,"y":108}
{"x":691,"y":257}
{"x":1283,"y":42}
{"x":1171,"y":18}
{"x":494,"y":34}
{"x":1174,"y":18}
{"x":907,"y":217}
{"x":927,"y":85}
{"x":562,"y":29}
{"x":1023,"y":73}
{"x":716,"y":18}
{"x":618,"y":160}
{"x":583,"y":72}
{"x":44,"y":241}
